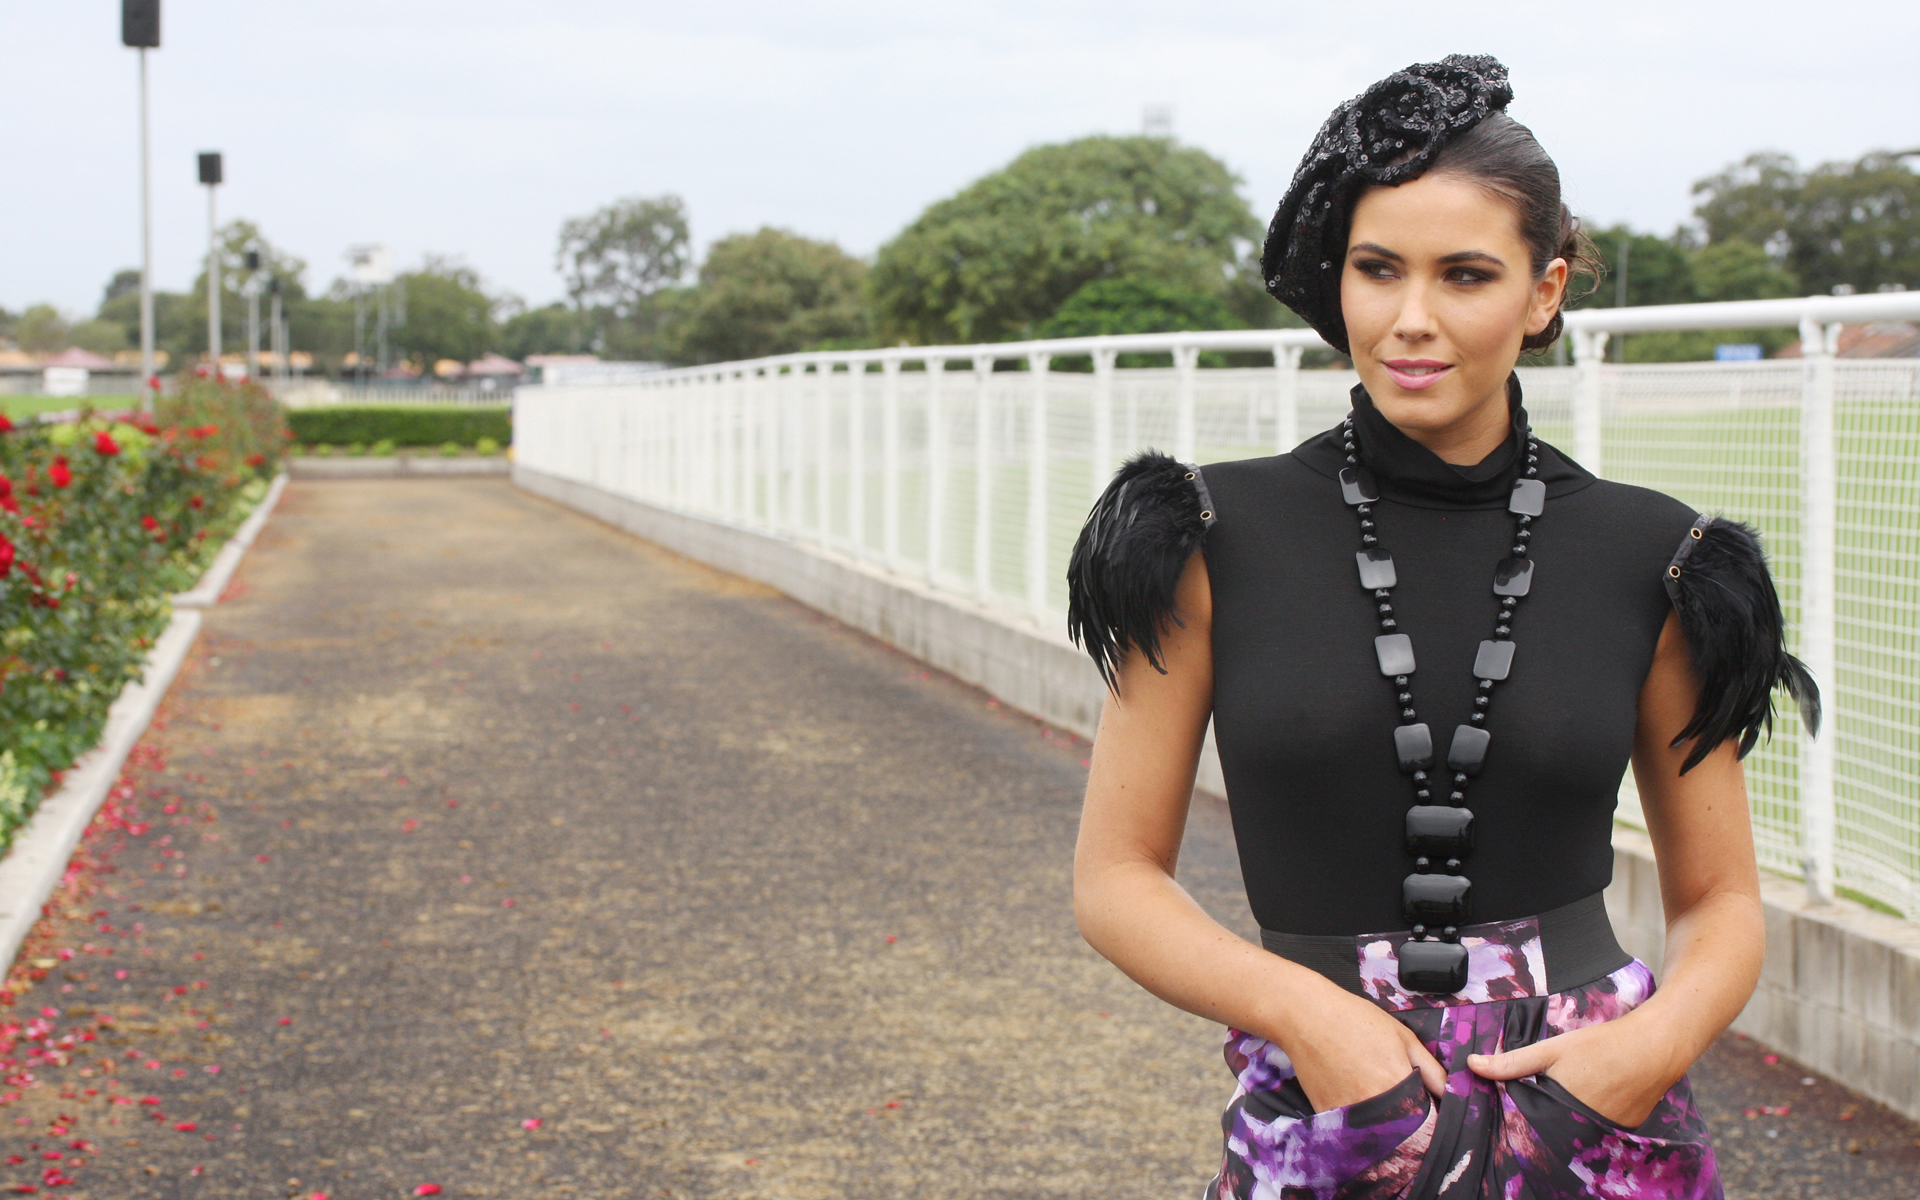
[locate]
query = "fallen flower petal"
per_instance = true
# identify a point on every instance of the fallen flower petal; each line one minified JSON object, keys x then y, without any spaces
{"x":530,"y":1123}
{"x":185,"y":1126}
{"x":427,"y":1189}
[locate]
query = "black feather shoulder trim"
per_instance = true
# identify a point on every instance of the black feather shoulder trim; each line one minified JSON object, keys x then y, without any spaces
{"x":1736,"y":636}
{"x":1127,"y":561}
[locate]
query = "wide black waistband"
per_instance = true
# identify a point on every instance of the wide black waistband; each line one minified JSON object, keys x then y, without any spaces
{"x":1577,"y":946}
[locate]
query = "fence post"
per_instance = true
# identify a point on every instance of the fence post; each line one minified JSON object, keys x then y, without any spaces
{"x":823,"y":451}
{"x":857,"y":458}
{"x":1819,"y":515}
{"x":1286,"y":370}
{"x":890,"y":461}
{"x":1186,"y":360}
{"x":1036,"y":531}
{"x":1589,"y":351}
{"x":1103,"y":464}
{"x":982,"y":475}
{"x":936,"y":470}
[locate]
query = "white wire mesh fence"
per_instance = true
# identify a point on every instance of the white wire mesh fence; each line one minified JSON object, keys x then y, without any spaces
{"x":970,"y":469}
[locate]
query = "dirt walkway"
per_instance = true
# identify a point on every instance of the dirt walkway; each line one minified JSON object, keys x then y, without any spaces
{"x":491,"y":849}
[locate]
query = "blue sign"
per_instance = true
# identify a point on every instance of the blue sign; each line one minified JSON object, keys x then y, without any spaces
{"x":1737,"y":352}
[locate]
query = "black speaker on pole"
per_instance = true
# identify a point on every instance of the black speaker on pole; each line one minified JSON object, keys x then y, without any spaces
{"x":140,"y":22}
{"x":210,"y":168}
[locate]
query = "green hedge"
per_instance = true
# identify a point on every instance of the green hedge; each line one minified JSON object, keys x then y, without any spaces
{"x":417,"y":425}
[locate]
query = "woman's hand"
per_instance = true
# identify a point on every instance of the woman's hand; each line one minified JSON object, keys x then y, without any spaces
{"x":1614,"y":1068}
{"x":1346,"y":1049}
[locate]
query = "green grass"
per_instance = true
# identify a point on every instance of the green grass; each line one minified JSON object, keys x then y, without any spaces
{"x":33,"y":406}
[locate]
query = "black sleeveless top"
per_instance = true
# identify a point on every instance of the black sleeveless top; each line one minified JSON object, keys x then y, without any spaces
{"x":1304,"y":720}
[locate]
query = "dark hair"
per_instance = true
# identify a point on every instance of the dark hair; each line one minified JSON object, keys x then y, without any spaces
{"x":1502,"y":155}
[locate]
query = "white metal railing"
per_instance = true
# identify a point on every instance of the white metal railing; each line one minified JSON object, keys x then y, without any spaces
{"x":970,"y":468}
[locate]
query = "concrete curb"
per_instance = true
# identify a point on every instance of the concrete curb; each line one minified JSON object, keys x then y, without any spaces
{"x":38,"y":857}
{"x":206,"y":593}
{"x":397,"y":466}
{"x":1840,"y":990}
{"x":39,"y":854}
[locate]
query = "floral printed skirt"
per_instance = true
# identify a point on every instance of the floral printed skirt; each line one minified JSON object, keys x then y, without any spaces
{"x":1527,"y":1139}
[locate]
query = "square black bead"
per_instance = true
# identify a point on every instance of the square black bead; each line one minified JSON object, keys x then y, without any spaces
{"x":1395,"y":651}
{"x":1513,"y":577}
{"x":1436,"y":899}
{"x":1469,"y":749}
{"x":1435,"y":968}
{"x":1414,"y":746}
{"x":1357,"y":485}
{"x":1529,"y":497}
{"x":1376,"y":569}
{"x":1439,"y":830}
{"x":1495,"y":660}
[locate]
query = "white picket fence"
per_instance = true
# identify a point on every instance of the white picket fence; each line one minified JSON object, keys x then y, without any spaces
{"x":971,"y":468}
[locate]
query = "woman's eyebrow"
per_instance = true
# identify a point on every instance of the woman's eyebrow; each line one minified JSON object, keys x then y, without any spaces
{"x":1373,"y":248}
{"x":1465,"y":256}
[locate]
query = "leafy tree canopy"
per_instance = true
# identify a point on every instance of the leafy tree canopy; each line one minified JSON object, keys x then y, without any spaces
{"x":1840,"y":224}
{"x":1111,"y":306}
{"x":448,"y":313}
{"x":770,"y":292}
{"x":620,"y":255}
{"x":998,"y":260}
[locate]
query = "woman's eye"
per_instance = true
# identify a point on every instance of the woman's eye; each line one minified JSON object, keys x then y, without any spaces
{"x":1375,"y":268}
{"x":1466,"y":275}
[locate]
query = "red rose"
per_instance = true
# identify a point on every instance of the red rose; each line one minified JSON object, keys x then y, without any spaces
{"x":59,"y":472}
{"x":148,"y":523}
{"x":6,"y":426}
{"x":6,"y":495}
{"x":255,"y":460}
{"x":196,"y":502}
{"x":6,"y":555}
{"x":105,"y":445}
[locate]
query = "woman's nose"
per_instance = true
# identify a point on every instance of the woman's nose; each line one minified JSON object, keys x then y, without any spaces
{"x":1415,"y":320}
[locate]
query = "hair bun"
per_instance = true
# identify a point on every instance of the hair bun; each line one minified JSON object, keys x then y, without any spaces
{"x":1388,"y":134}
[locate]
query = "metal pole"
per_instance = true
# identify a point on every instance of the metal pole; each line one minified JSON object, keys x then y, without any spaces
{"x":1819,"y":517}
{"x":146,"y":249}
{"x":276,"y":335}
{"x":1036,"y":531}
{"x":213,"y":283}
{"x":253,"y":328}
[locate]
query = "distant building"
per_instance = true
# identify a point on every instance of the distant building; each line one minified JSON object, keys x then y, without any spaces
{"x":1875,"y":339}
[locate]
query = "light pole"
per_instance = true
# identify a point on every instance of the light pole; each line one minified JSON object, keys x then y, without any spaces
{"x":210,"y":174}
{"x":276,"y":336}
{"x":253,"y":315}
{"x":140,"y":28}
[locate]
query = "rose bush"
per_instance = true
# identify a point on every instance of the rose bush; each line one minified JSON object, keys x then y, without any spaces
{"x":101,"y":521}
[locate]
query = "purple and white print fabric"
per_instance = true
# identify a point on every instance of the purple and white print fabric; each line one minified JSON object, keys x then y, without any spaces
{"x":1528,"y":1139}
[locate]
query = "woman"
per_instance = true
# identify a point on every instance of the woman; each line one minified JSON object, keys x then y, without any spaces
{"x":1423,"y":713}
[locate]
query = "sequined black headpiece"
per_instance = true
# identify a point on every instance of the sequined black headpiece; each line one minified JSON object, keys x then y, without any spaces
{"x":1388,"y":134}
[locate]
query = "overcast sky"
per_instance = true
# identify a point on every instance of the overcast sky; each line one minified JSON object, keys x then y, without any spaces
{"x":474,"y":128}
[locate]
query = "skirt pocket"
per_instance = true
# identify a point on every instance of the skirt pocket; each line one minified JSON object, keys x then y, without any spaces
{"x":1571,"y":1149}
{"x":1370,"y":1149}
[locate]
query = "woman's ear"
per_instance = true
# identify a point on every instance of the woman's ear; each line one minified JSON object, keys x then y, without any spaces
{"x":1548,"y":291}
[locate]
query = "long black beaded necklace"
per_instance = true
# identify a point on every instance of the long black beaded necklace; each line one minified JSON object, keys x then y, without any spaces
{"x":1433,"y":960}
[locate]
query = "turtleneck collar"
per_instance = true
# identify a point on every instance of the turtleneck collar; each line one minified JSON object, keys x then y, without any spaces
{"x":1410,"y":473}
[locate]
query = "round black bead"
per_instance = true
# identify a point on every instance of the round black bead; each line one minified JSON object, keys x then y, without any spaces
{"x":1366,"y":524}
{"x":1381,"y":593}
{"x":1389,"y":624}
{"x":1421,"y":777}
{"x":1459,"y":778}
{"x":1486,"y":685}
{"x":1399,"y":681}
{"x":1367,"y":539}
{"x":1523,"y":519}
{"x":1457,"y":797}
{"x":1422,"y":864}
{"x":1477,"y":718}
{"x":1419,"y":931}
{"x":1503,"y":632}
{"x":1524,"y":535}
{"x":1453,"y":866}
{"x":1450,"y":933}
{"x":1480,"y":701}
{"x":1407,"y":713}
{"x":1407,"y":698}
{"x":1509,"y":602}
{"x":1423,"y":794}
{"x":1363,"y":509}
{"x":1519,"y":551}
{"x":1386,"y":610}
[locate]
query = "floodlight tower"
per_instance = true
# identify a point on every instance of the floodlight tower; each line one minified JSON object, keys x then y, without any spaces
{"x":211,"y":175}
{"x":140,"y":28}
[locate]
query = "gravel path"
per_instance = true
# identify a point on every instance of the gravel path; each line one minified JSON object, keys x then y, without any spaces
{"x":507,"y":854}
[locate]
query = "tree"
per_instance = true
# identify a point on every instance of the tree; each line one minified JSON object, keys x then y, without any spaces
{"x":1841,"y":225}
{"x":1657,"y":270}
{"x":1001,"y":257}
{"x":624,"y":253}
{"x":1107,"y":306}
{"x":448,"y":313}
{"x":551,"y":329}
{"x":771,"y":292}
{"x":42,"y":330}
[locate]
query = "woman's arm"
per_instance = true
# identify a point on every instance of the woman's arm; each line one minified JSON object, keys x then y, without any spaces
{"x":1344,"y":1048}
{"x":1710,"y":887}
